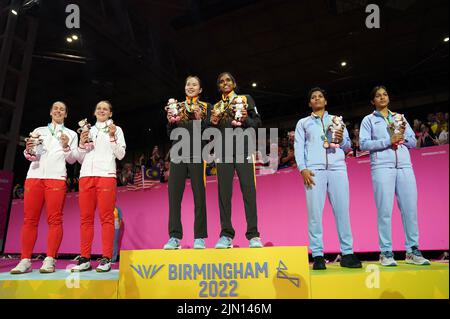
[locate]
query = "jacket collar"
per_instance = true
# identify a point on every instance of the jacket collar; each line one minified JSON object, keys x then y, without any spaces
{"x":315,"y":116}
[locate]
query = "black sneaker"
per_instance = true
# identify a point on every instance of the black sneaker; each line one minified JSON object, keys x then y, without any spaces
{"x":319,"y":263}
{"x":350,"y":261}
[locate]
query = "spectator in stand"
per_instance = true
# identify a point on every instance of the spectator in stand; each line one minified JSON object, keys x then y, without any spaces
{"x":289,"y":159}
{"x":431,"y":118}
{"x":441,"y":124}
{"x":18,"y":192}
{"x":284,"y":143}
{"x":355,"y":141}
{"x":291,"y":152}
{"x":291,"y":138}
{"x":127,"y":176}
{"x":138,"y":163}
{"x":167,"y":157}
{"x":416,"y":128}
{"x":119,"y":176}
{"x":259,"y":162}
{"x":154,"y":158}
{"x":165,"y":172}
{"x":427,"y":137}
{"x":284,"y":155}
{"x":443,"y":137}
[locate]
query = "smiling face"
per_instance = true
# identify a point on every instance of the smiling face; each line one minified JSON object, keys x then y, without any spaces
{"x":226,"y":84}
{"x":103,"y":112}
{"x":193,"y":88}
{"x":58,"y":112}
{"x":317,"y":101}
{"x":381,"y":99}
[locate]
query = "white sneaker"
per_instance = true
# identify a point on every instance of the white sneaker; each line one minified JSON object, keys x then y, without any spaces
{"x":387,"y":259}
{"x":173,"y":244}
{"x":48,"y":266}
{"x":23,"y":267}
{"x":83,"y":265}
{"x":415,"y":258}
{"x":104,"y":266}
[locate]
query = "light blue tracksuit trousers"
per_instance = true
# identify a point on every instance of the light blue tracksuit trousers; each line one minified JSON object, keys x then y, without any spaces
{"x":335,"y":184}
{"x":401,"y":182}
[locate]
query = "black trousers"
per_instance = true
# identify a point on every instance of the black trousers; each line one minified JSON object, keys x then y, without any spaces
{"x":246,"y":174}
{"x":177,"y":182}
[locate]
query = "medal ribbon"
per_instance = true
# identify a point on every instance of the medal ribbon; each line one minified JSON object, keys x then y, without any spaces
{"x":322,"y":127}
{"x":53,"y":131}
{"x":231,"y":98}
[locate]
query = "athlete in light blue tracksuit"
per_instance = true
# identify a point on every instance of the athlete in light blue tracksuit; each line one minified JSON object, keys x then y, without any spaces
{"x":392,"y":174}
{"x":327,"y":165}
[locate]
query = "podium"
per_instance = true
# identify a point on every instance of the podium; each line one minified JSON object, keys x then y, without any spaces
{"x":233,"y":274}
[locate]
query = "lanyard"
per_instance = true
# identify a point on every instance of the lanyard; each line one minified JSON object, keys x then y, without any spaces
{"x":104,"y":129}
{"x":53,"y":131}
{"x":387,"y":120}
{"x":188,"y":105}
{"x":322,"y":127}
{"x":222,"y":103}
{"x":188,"y":108}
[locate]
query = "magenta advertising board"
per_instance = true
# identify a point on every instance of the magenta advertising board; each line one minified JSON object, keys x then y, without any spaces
{"x":6,"y":180}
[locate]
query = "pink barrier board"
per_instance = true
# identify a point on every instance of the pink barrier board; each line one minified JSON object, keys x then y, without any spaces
{"x":282,"y":215}
{"x":6,"y":180}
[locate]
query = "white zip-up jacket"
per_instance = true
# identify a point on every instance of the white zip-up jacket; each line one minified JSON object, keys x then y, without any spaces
{"x":52,"y":163}
{"x":101,"y":160}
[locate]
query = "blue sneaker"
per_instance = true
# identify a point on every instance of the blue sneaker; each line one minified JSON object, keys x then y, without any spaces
{"x":199,"y":243}
{"x":172,"y":244}
{"x":256,"y":243}
{"x":224,"y":243}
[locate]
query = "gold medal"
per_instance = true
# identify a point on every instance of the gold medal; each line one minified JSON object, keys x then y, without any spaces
{"x":326,"y":144}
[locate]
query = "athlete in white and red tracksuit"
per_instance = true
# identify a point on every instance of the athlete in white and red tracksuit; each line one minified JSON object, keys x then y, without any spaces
{"x":98,"y":185}
{"x":46,"y":182}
